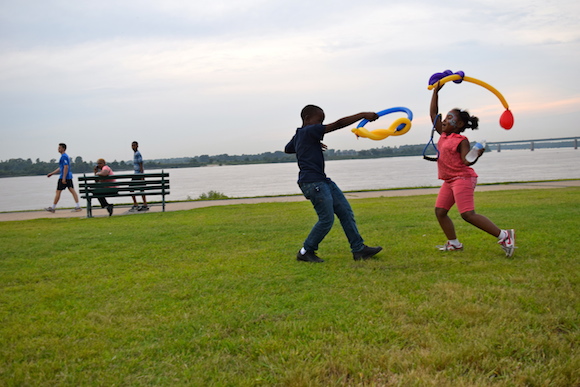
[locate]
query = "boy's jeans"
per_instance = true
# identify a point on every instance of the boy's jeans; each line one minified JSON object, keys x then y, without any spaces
{"x":328,"y":200}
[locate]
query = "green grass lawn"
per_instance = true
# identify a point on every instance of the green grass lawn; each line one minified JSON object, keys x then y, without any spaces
{"x":215,"y":296}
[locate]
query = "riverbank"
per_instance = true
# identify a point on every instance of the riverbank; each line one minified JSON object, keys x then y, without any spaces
{"x":34,"y":193}
{"x":189,"y":205}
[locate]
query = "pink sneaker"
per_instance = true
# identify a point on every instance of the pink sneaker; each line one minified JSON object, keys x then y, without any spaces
{"x":509,"y":243}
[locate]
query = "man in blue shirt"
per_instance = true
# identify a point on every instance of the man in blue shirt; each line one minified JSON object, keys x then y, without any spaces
{"x":65,"y":179}
{"x":138,"y":168}
{"x":324,"y":194}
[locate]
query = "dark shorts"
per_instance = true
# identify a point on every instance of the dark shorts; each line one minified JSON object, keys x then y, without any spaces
{"x":60,"y":186}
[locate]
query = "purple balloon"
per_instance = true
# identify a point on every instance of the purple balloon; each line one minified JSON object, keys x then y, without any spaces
{"x":435,"y":78}
{"x":461,"y":74}
{"x":439,"y":76}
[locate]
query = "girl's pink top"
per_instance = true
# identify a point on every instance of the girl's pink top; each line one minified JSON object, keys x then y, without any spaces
{"x":449,"y":163}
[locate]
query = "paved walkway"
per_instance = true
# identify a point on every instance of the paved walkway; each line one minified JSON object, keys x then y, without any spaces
{"x":180,"y":206}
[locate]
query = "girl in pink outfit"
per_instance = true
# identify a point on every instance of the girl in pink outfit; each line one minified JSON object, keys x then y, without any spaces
{"x":459,"y":179}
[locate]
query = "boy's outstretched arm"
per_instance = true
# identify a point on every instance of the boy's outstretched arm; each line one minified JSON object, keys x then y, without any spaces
{"x":346,"y":121}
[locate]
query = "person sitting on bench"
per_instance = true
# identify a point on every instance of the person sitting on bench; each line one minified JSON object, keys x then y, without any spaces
{"x":102,"y":169}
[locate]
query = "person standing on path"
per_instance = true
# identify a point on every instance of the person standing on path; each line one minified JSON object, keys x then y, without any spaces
{"x":138,"y":168}
{"x":65,"y":179}
{"x":324,"y":194}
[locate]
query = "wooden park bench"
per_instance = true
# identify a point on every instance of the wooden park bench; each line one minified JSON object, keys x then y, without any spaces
{"x":136,"y":184}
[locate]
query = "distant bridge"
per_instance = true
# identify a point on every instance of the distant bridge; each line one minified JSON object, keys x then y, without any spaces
{"x":532,"y":143}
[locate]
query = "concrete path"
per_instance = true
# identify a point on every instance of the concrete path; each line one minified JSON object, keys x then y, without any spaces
{"x":180,"y":206}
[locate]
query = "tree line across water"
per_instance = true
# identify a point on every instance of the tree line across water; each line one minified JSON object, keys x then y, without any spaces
{"x":22,"y":167}
{"x":27,"y":167}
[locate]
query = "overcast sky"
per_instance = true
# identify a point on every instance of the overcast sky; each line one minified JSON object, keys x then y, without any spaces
{"x":187,"y":78}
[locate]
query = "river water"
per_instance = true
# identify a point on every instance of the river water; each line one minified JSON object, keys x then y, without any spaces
{"x":37,"y":192}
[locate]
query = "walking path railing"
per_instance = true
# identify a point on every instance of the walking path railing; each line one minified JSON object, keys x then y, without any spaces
{"x":532,"y":143}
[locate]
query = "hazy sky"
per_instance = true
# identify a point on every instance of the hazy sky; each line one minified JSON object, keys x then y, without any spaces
{"x":187,"y":78}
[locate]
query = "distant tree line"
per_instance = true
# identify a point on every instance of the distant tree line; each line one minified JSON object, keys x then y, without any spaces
{"x":21,"y":167}
{"x":281,"y":157}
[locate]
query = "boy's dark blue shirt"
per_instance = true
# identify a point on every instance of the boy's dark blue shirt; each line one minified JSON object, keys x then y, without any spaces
{"x":306,"y":144}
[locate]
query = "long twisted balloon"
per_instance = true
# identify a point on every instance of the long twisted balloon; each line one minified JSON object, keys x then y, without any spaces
{"x":506,"y":120}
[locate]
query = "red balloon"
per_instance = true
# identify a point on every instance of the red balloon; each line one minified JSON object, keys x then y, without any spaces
{"x":506,"y":120}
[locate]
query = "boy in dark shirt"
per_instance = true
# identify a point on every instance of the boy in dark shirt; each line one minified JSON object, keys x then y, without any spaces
{"x":324,"y":194}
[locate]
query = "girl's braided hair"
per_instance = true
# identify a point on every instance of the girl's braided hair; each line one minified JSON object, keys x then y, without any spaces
{"x":471,"y":122}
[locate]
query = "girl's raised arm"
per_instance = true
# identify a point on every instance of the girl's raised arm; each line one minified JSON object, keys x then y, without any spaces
{"x":434,"y":108}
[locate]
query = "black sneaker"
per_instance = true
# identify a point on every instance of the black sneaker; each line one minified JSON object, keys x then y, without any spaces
{"x":110,"y":209}
{"x":309,"y":256}
{"x":366,"y":253}
{"x":143,"y":208}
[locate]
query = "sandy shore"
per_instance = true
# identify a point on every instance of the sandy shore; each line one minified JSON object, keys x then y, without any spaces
{"x":180,"y":206}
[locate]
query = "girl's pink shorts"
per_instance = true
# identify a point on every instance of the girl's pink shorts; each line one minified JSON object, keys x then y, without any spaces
{"x":460,"y":191}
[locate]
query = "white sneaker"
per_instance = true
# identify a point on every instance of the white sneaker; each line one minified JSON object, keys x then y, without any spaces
{"x":508,"y":244}
{"x":77,"y":209}
{"x":50,"y":209}
{"x":134,"y":209}
{"x":450,"y":247}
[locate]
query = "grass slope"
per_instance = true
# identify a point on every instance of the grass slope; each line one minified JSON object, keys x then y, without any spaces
{"x":214,"y":296}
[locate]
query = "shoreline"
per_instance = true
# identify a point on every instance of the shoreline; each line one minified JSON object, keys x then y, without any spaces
{"x":189,"y":205}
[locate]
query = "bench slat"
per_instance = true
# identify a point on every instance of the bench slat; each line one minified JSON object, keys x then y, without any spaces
{"x":96,"y":196}
{"x":126,"y":176}
{"x":132,"y":188}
